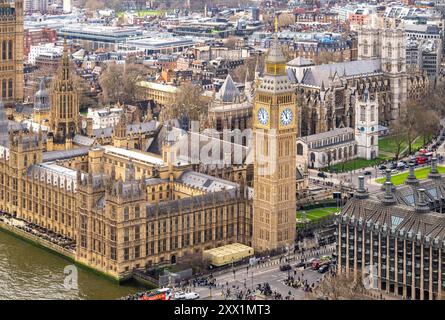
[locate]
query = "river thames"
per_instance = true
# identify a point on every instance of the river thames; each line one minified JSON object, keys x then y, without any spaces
{"x":29,"y":272}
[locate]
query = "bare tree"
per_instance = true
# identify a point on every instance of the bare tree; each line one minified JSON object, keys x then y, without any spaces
{"x":119,"y":82}
{"x":340,"y":287}
{"x":195,"y":261}
{"x":398,"y":135}
{"x":189,"y":101}
{"x":286,"y":19}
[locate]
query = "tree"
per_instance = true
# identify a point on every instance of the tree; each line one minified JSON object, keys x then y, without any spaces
{"x":286,"y":19}
{"x":409,"y":120}
{"x":119,"y":82}
{"x":93,"y":5}
{"x":188,"y":101}
{"x":340,"y":287}
{"x":398,"y":132}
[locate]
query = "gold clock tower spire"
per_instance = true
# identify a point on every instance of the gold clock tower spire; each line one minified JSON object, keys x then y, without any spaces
{"x":274,"y":204}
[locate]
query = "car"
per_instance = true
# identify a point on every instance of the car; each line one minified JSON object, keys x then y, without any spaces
{"x":321,"y":174}
{"x":394,"y":171}
{"x":191,"y":296}
{"x":367,"y":173}
{"x":323,"y":268}
{"x":300,"y":264}
{"x":382,"y":167}
{"x":285,"y":267}
{"x":393,"y":165}
{"x":179,"y":295}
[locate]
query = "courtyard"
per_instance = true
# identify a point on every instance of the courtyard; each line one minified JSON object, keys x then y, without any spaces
{"x":318,"y":213}
{"x":420,"y":174}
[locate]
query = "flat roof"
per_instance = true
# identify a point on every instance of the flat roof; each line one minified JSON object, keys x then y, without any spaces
{"x":158,"y":86}
{"x":134,"y":155}
{"x":227,"y":250}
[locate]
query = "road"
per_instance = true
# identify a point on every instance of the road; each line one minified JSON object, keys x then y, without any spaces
{"x":268,"y":272}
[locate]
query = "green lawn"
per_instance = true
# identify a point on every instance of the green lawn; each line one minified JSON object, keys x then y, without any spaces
{"x":315,"y":214}
{"x":420,"y":174}
{"x":387,"y":146}
{"x":354,"y":165}
{"x":144,"y":13}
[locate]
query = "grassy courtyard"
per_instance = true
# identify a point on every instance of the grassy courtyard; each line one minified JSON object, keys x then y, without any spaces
{"x":387,"y":146}
{"x":318,"y":213}
{"x":143,"y":13}
{"x":354,"y":165}
{"x":420,"y":174}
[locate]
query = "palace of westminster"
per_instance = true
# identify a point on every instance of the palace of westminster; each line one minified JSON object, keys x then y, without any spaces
{"x":125,"y":196}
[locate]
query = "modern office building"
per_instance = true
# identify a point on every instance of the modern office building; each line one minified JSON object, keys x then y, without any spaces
{"x":395,"y":238}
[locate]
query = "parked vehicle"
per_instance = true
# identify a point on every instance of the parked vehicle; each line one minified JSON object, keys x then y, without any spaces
{"x":321,"y":174}
{"x":382,"y":167}
{"x":191,"y":296}
{"x":285,"y":267}
{"x":300,"y":264}
{"x":367,"y":173}
{"x":323,"y":268}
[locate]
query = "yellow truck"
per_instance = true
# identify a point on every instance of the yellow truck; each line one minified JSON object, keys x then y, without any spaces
{"x":228,"y":254}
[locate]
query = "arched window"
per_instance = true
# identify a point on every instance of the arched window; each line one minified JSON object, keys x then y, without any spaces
{"x":312,"y":157}
{"x":10,"y":88}
{"x":126,"y":214}
{"x":10,"y":47}
{"x":365,"y":47}
{"x":299,"y":149}
{"x":4,"y":88}
{"x":4,"y":44}
{"x":389,"y":50}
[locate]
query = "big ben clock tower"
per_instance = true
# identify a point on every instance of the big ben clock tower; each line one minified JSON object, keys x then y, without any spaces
{"x":275,"y":132}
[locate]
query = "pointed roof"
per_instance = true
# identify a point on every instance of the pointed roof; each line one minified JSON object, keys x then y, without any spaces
{"x":42,"y":93}
{"x":300,"y":62}
{"x":275,"y":53}
{"x":229,"y":91}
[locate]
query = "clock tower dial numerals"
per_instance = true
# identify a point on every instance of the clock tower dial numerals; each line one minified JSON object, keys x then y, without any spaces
{"x":263,"y":116}
{"x":286,"y":117}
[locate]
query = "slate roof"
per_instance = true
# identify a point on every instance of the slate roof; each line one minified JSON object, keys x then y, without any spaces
{"x":319,"y":74}
{"x":228,"y":92}
{"x":401,"y":217}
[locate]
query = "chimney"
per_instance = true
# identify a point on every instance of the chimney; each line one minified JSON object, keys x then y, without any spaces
{"x":361,"y":191}
{"x":388,"y":179}
{"x":422,"y":202}
{"x":389,"y":194}
{"x":411,"y":180}
{"x":434,"y":174}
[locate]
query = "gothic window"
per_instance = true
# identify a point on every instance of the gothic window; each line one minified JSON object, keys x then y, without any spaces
{"x":10,"y":88}
{"x":374,"y":48}
{"x":312,"y":157}
{"x":10,"y":46}
{"x":365,"y":47}
{"x":4,"y":44}
{"x":372,"y":113}
{"x":389,"y":50}
{"x":299,"y":149}
{"x":372,"y":140}
{"x":362,"y":113}
{"x":4,"y":88}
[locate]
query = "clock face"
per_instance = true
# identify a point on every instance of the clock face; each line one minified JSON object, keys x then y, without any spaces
{"x":263,"y":116}
{"x":286,"y":116}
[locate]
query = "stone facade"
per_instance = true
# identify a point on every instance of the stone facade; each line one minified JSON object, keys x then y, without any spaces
{"x":11,"y":58}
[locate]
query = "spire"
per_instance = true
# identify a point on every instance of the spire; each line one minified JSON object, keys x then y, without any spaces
{"x":229,"y":91}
